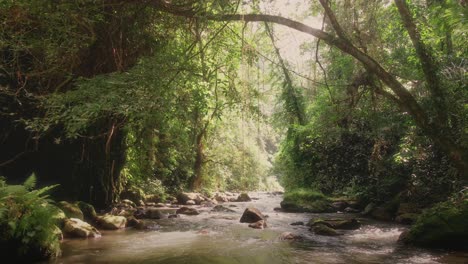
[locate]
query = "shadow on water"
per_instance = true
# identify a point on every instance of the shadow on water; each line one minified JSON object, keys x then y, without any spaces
{"x":218,"y":237}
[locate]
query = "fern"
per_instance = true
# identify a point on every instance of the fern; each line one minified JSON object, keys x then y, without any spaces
{"x":30,"y":182}
{"x":27,"y":223}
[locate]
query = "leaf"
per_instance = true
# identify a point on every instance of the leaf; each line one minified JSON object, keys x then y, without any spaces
{"x":30,"y":182}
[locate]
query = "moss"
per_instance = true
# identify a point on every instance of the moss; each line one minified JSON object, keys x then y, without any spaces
{"x":71,"y":210}
{"x":443,"y":226}
{"x":304,"y":200}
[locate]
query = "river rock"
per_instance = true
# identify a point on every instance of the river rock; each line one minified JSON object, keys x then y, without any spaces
{"x":155,"y":213}
{"x":182,"y":198}
{"x":187,"y":211}
{"x":222,"y":198}
{"x":209,"y":203}
{"x":89,"y":213}
{"x":132,"y":221}
{"x":351,"y":210}
{"x":59,"y":217}
{"x":382,"y":213}
{"x":408,"y":208}
{"x":134,"y":194}
{"x":259,"y":224}
{"x":443,"y":226}
{"x":220,"y":208}
{"x":147,"y":225}
{"x":71,"y":210}
{"x":406,"y":219}
{"x":75,"y":227}
{"x":190,"y":202}
{"x":111,"y":222}
{"x":339,"y":205}
{"x":251,"y":215}
{"x":297,"y":223}
{"x":345,"y":224}
{"x":243,"y":197}
{"x":153,"y":198}
{"x":368,"y":209}
{"x":128,"y":203}
{"x":288,"y":236}
{"x":324,"y":230}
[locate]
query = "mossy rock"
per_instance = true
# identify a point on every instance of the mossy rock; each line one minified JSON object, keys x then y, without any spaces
{"x":344,"y":224}
{"x":443,"y":226}
{"x":324,"y":230}
{"x":88,"y":210}
{"x":71,"y":210}
{"x":306,"y":201}
{"x":133,"y":194}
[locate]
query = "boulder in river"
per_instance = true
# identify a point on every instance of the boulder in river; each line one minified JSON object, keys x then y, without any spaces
{"x":157,"y":213}
{"x":345,"y":224}
{"x":324,"y":230}
{"x":182,"y":198}
{"x":111,"y":222}
{"x":243,"y":197}
{"x":339,"y":205}
{"x":89,"y":213}
{"x":220,"y":197}
{"x":251,"y":215}
{"x":443,"y":226}
{"x":187,"y":211}
{"x":260,"y":224}
{"x":220,"y":208}
{"x":190,"y":202}
{"x":288,"y":236}
{"x":75,"y":227}
{"x":301,"y":201}
{"x":297,"y":223}
{"x":406,"y":219}
{"x":71,"y":210}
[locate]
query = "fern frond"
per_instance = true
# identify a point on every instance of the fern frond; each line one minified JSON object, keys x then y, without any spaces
{"x":30,"y":182}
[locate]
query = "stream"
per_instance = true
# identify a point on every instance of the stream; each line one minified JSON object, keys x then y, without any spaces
{"x":218,"y":237}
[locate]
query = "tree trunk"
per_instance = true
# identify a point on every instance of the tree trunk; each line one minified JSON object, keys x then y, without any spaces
{"x":198,"y":165}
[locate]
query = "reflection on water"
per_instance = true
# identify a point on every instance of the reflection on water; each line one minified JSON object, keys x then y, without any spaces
{"x":220,"y":238}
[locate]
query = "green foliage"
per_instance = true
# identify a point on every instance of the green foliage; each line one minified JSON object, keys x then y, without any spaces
{"x":27,"y":223}
{"x":304,"y":195}
{"x":442,"y":226}
{"x":305,"y":200}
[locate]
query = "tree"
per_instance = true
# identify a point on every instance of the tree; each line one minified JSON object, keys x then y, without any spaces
{"x":437,"y":129}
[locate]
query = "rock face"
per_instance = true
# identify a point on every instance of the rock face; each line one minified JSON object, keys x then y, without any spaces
{"x":345,"y":224}
{"x":251,"y":215}
{"x":187,"y":211}
{"x":243,"y":197}
{"x":71,"y":210}
{"x":75,"y":227}
{"x":443,"y":226}
{"x":111,"y":222}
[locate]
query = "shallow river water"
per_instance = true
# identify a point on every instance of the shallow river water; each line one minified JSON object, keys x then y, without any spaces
{"x":218,"y":237}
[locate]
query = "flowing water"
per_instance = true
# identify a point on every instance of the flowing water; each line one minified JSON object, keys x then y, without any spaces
{"x":218,"y":237}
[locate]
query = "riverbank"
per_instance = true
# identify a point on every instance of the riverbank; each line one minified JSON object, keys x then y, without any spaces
{"x":219,"y":237}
